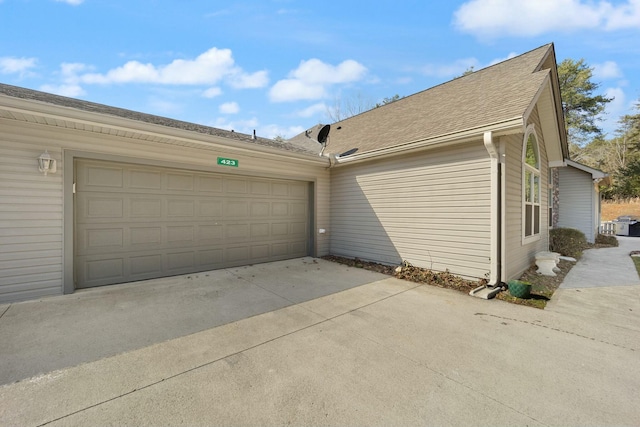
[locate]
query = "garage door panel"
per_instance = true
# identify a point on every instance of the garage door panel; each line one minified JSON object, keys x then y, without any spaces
{"x":148,"y":222}
{"x":209,"y":184}
{"x":211,"y":209}
{"x":208,"y":234}
{"x":146,"y":265}
{"x":181,"y":262}
{"x":259,"y":231}
{"x":98,"y":272}
{"x":100,"y":207}
{"x":144,"y":236}
{"x":233,"y":255}
{"x":260,"y":209}
{"x":279,"y":208}
{"x":144,"y":207}
{"x":181,"y":182}
{"x":102,"y":177}
{"x":236,"y":209}
{"x":145,"y":180}
{"x":259,"y":188}
{"x":235,"y":186}
{"x":260,"y":252}
{"x":211,"y":259}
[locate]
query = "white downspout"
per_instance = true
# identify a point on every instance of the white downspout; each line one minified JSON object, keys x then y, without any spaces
{"x":494,"y":286}
{"x":494,"y":155}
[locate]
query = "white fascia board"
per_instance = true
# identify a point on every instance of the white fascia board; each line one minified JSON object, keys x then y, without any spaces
{"x":62,"y":113}
{"x":507,"y":127}
{"x":595,"y":173}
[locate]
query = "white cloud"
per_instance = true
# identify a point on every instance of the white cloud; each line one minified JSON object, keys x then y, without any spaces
{"x":498,"y":60}
{"x":210,"y":67}
{"x":456,"y":68}
{"x":311,"y":79}
{"x":243,"y":126}
{"x":624,"y":16}
{"x":312,"y":110}
{"x":164,"y":107}
{"x":265,"y":131}
{"x":11,"y":65}
{"x":493,"y":18}
{"x":459,"y":66}
{"x":71,"y":2}
{"x":619,"y":106}
{"x":250,"y":81}
{"x":606,"y":70}
{"x":294,"y":90}
{"x":212,"y":92}
{"x":229,"y":108}
{"x":271,"y":131}
{"x":70,"y":90}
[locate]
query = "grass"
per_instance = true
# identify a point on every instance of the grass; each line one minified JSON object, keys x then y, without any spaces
{"x":612,"y":209}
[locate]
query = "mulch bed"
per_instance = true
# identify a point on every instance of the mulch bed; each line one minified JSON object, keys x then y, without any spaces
{"x":542,"y":288}
{"x":411,"y":273}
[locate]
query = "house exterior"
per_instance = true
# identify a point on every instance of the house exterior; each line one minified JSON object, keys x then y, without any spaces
{"x":454,"y":177}
{"x":137,"y":196}
{"x":579,"y":198}
{"x":450,"y":178}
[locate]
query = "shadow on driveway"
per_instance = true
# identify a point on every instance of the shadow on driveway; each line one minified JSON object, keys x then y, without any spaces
{"x":58,"y":332}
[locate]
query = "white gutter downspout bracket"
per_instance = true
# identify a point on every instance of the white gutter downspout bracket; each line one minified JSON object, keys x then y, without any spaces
{"x":494,"y":286}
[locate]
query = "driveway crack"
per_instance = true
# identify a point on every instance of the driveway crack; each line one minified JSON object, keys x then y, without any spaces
{"x":5,"y":312}
{"x":540,"y":325}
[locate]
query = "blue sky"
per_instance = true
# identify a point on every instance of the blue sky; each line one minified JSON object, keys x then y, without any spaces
{"x":281,"y":66}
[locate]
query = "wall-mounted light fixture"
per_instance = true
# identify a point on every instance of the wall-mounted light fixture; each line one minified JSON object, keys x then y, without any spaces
{"x":46,"y":164}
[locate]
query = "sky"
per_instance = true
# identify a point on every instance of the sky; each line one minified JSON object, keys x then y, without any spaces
{"x":283,"y":66}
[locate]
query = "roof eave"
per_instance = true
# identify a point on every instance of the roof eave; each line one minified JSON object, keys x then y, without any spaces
{"x":174,"y":136}
{"x":506,"y":127}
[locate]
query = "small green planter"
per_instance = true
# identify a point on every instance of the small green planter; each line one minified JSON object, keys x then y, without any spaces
{"x":519,"y":289}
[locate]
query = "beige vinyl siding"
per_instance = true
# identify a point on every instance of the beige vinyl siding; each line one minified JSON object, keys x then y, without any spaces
{"x":32,"y":205}
{"x":30,"y":224}
{"x":518,"y":255}
{"x":576,"y":208}
{"x":430,"y":209}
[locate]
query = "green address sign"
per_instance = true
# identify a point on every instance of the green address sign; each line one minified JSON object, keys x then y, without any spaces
{"x":227,"y":162}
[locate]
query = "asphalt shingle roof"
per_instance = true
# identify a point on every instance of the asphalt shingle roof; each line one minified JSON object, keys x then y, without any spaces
{"x":491,"y":95}
{"x":305,"y":147}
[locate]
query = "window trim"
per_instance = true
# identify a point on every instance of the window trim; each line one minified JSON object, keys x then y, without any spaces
{"x":527,"y":168}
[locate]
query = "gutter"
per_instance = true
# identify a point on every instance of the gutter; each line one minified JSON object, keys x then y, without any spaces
{"x":506,"y":127}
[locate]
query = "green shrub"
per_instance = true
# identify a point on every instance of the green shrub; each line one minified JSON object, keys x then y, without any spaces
{"x":567,"y":242}
{"x":603,"y":239}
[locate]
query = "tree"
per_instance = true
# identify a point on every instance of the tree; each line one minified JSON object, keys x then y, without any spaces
{"x":469,"y":70}
{"x":344,"y":108}
{"x":386,"y":101}
{"x":627,"y":175}
{"x":580,"y":105}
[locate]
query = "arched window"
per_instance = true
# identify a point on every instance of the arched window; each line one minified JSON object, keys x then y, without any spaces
{"x":531,"y":184}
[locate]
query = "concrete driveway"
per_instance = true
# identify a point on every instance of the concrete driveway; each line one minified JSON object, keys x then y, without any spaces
{"x":388,"y":352}
{"x":54,"y":333}
{"x":603,"y":286}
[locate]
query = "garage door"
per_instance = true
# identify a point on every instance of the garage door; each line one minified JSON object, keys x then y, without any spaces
{"x":135,"y":222}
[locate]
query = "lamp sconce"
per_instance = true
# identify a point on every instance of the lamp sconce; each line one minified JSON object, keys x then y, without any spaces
{"x":46,"y":164}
